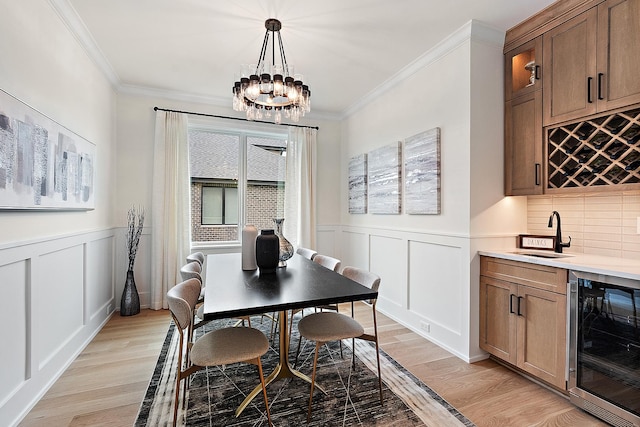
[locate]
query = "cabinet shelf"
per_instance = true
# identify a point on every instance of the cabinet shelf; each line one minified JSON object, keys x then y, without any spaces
{"x":595,"y":152}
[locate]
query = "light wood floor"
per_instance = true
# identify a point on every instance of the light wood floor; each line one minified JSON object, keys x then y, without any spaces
{"x":105,"y":385}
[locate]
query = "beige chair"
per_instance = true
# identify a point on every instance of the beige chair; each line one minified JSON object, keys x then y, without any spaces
{"x":307,"y":253}
{"x":329,"y":326}
{"x":196,"y":257}
{"x":219,"y":347}
{"x":192,"y":270}
{"x":332,"y":264}
{"x":328,"y":262}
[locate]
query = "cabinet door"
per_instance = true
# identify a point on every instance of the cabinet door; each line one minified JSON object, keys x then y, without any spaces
{"x":618,"y":54}
{"x":523,"y":145}
{"x":569,"y":55}
{"x":542,"y":335}
{"x":497,"y":321}
{"x":523,"y":69}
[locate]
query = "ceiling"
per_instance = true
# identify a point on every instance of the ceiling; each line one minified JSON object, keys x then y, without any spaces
{"x":344,"y":48}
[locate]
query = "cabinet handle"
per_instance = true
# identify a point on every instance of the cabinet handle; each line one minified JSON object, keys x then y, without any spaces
{"x":600,"y":75}
{"x":537,"y":173}
{"x":519,"y":303}
{"x":511,"y":304}
{"x":589,"y":80}
{"x":537,"y":72}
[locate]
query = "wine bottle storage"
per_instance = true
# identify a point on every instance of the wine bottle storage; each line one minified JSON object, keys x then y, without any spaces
{"x":599,"y":151}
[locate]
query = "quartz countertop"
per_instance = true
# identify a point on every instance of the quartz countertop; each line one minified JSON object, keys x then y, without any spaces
{"x":610,"y":266}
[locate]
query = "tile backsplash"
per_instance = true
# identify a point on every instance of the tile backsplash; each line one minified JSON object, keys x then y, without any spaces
{"x":598,"y":223}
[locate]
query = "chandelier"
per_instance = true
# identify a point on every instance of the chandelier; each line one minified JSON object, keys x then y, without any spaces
{"x":271,"y":89}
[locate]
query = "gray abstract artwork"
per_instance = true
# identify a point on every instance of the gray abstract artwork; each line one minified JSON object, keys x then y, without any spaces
{"x":385,"y":179}
{"x":358,"y":184}
{"x":422,"y":173}
{"x":42,"y":164}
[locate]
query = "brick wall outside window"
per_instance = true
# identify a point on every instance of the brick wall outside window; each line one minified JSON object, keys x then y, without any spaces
{"x":264,"y":203}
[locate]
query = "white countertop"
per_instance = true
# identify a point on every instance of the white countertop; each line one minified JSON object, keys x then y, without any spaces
{"x":620,"y":267}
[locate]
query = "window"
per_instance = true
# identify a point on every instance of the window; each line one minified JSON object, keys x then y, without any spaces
{"x":219,"y":205}
{"x":237,"y":178}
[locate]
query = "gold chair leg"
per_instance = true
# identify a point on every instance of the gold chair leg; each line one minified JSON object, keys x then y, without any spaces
{"x":313,"y":379}
{"x":375,"y":332}
{"x":264,"y":391}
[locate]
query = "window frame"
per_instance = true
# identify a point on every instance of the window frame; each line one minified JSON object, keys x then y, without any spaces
{"x":224,"y":187}
{"x":256,"y":130}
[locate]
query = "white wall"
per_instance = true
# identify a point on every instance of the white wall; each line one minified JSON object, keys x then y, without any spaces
{"x":135,"y":136}
{"x":56,"y":268}
{"x":429,"y":274}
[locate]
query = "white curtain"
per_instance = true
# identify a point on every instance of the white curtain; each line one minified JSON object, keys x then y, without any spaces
{"x":170,"y":235}
{"x":300,"y":188}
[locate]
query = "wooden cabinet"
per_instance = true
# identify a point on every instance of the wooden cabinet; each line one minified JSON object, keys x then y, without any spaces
{"x":591,"y":62}
{"x":618,"y":54}
{"x":569,"y":55}
{"x":523,"y":145}
{"x":523,"y":69}
{"x":523,"y":120}
{"x":523,"y":315}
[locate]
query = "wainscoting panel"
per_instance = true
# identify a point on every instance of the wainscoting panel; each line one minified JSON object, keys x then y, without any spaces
{"x":426,"y":281}
{"x":435,"y":284}
{"x":326,"y":242}
{"x":355,"y":249}
{"x":388,"y":260}
{"x":57,"y":293}
{"x":100,"y":298}
{"x":14,"y":369}
{"x":59,"y":298}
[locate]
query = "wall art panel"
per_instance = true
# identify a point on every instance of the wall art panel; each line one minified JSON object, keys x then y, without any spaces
{"x":385,"y":181}
{"x":358,"y":184}
{"x":422,"y":173}
{"x":43,"y":165}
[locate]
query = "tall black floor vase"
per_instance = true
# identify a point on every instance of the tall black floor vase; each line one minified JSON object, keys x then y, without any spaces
{"x":130,"y":302}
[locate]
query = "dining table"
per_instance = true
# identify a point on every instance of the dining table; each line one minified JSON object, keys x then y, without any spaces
{"x":232,"y":292}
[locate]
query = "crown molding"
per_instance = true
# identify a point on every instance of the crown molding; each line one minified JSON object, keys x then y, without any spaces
{"x":79,"y":30}
{"x":473,"y":29}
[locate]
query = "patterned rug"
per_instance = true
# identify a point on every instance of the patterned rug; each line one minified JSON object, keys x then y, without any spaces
{"x":352,"y":393}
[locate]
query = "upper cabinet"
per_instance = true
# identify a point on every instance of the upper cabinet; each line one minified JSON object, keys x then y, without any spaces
{"x":523,"y":119}
{"x":618,"y":54}
{"x":574,"y":62}
{"x":569,"y":54}
{"x":591,"y":62}
{"x":523,"y":67}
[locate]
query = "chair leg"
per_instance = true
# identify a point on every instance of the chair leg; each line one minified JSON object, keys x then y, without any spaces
{"x":264,"y":392}
{"x":313,"y":379}
{"x":176,"y":399}
{"x":375,"y":332}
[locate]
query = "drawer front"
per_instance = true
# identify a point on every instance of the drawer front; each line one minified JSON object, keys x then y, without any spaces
{"x":537,"y":276}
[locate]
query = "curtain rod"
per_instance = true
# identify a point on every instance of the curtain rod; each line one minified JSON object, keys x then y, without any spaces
{"x":232,"y":118}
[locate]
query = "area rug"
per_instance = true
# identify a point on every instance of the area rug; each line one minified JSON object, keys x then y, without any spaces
{"x":352,"y":397}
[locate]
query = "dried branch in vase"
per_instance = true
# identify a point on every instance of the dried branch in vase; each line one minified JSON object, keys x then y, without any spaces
{"x":135,"y":222}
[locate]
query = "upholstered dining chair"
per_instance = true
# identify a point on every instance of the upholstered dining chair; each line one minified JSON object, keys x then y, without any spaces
{"x":196,"y":257}
{"x":329,"y":326}
{"x":332,"y":264}
{"x":219,"y":347}
{"x":306,"y":252}
{"x":192,"y":270}
{"x":328,"y":262}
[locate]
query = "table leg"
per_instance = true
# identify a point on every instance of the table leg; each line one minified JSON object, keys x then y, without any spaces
{"x":282,"y":370}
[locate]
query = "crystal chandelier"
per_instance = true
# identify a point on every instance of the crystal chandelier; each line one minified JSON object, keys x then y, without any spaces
{"x":271,"y":89}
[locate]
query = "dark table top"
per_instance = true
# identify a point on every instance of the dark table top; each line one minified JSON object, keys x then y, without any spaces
{"x":232,"y":292}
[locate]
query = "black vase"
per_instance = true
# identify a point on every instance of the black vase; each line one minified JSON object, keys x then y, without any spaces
{"x":267,"y":251}
{"x":130,"y":302}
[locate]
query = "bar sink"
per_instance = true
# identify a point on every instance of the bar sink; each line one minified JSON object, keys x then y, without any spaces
{"x":541,"y":254}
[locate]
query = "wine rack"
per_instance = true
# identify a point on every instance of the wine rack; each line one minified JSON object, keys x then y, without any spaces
{"x":595,"y":152}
